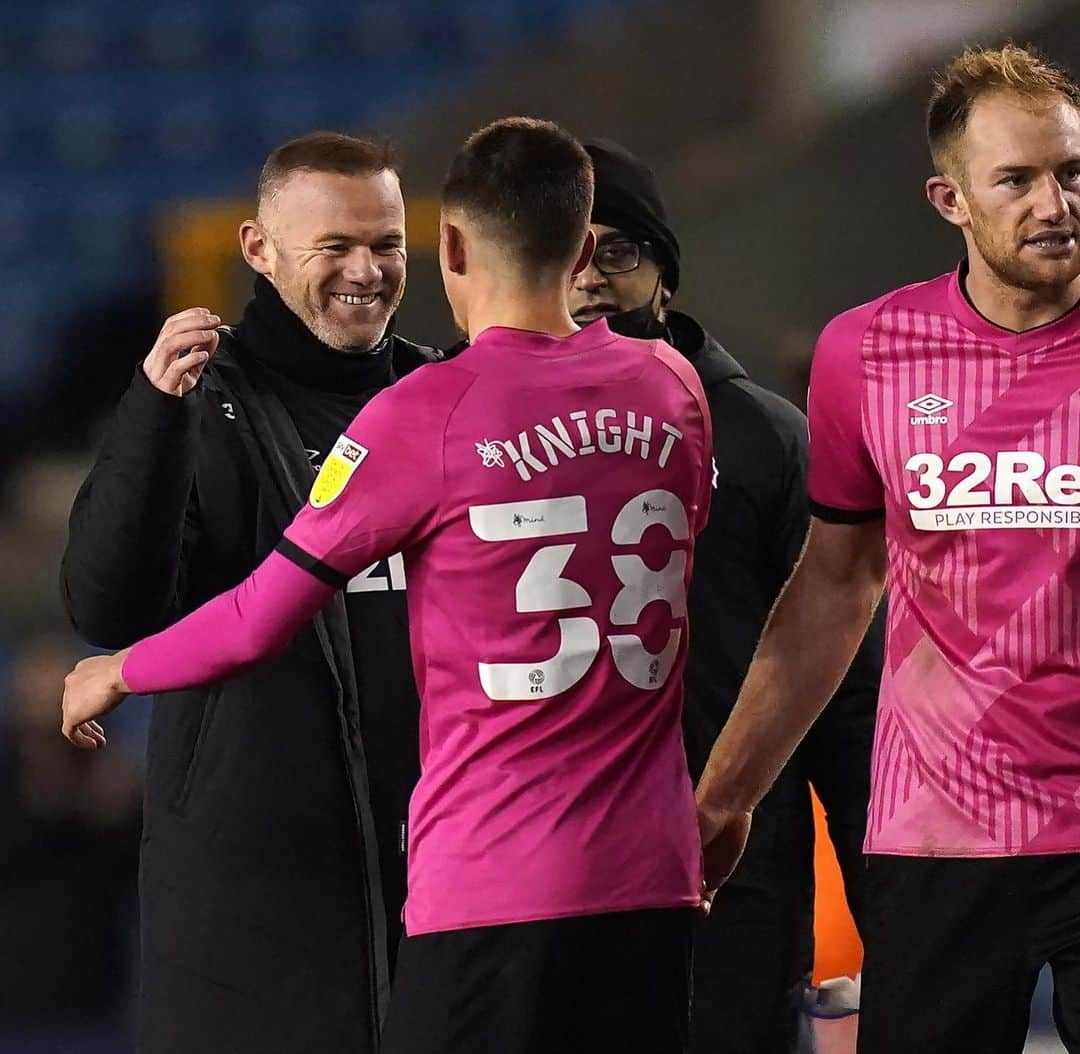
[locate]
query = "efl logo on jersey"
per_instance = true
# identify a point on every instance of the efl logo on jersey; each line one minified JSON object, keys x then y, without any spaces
{"x":336,"y":471}
{"x":929,"y":409}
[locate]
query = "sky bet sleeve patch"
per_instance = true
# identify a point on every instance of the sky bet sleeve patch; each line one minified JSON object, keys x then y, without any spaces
{"x":336,"y":471}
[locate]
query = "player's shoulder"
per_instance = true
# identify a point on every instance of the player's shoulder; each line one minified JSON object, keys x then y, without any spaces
{"x":438,"y":381}
{"x":427,"y":395}
{"x":673,"y":363}
{"x":844,"y":334}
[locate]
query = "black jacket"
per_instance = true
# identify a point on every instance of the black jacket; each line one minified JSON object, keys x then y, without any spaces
{"x":755,"y":533}
{"x":262,"y":920}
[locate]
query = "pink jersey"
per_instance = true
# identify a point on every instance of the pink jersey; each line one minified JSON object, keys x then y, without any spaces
{"x":545,"y":494}
{"x":967,"y":436}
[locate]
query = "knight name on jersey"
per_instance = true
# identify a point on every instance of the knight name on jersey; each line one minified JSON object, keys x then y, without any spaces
{"x":973,"y":491}
{"x":607,"y":431}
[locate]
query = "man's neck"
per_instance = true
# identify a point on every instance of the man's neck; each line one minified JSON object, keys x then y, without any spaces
{"x":1014,"y":308}
{"x":532,"y":310}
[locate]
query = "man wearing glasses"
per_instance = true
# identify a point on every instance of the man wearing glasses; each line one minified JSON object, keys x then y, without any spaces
{"x":754,"y":956}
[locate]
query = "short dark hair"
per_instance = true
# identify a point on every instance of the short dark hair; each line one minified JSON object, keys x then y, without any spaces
{"x":1013,"y":70}
{"x":323,"y":151}
{"x":528,"y":184}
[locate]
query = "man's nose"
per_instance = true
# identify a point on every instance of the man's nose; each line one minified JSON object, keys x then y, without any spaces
{"x":1050,"y":204}
{"x":361,"y":266}
{"x":589,"y":280}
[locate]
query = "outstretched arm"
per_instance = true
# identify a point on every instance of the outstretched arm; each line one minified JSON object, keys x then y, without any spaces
{"x":252,"y":622}
{"x":362,"y":508}
{"x":808,"y":643}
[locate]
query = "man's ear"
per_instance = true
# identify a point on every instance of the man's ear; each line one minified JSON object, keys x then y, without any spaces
{"x":947,"y":196}
{"x":453,"y":246}
{"x":585,"y":256}
{"x":257,"y":248}
{"x":665,"y":296}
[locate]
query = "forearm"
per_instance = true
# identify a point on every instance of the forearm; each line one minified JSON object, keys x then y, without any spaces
{"x":235,"y":630}
{"x":836,"y":756}
{"x":808,"y":644}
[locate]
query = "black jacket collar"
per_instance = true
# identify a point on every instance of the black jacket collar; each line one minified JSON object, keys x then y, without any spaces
{"x":278,"y":339}
{"x":704,"y":352}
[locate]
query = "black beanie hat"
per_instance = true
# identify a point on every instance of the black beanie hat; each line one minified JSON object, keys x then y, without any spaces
{"x":627,"y":197}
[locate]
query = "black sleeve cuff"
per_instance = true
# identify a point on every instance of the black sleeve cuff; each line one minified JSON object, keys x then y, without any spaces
{"x":152,"y":408}
{"x":833,"y":515}
{"x":307,"y":562}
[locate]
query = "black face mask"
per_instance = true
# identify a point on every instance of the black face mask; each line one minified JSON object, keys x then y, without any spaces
{"x":640,"y":322}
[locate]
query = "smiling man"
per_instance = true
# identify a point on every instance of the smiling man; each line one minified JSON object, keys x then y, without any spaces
{"x":335,"y":256}
{"x":945,"y":460}
{"x":266,"y":861}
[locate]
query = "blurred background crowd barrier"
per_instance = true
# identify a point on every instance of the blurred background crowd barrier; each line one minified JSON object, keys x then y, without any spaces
{"x":787,"y":135}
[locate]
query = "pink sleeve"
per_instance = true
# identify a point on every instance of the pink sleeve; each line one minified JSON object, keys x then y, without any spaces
{"x":378,"y":491}
{"x":254,"y":621}
{"x":844,"y":483}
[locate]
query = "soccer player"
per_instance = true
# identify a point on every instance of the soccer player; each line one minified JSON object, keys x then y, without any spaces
{"x":945,"y":456}
{"x":545,"y":488}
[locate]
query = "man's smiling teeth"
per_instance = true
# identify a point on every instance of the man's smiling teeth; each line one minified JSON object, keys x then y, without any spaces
{"x":356,"y":301}
{"x":1052,"y":240}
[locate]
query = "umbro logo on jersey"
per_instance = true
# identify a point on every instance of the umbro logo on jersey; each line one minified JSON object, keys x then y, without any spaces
{"x":929,"y":409}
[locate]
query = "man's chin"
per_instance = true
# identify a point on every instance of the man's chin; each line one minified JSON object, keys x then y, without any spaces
{"x":355,"y":340}
{"x":1053,"y":276}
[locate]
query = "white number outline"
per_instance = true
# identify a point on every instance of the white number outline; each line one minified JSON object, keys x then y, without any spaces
{"x":369,"y":582}
{"x":542,"y":587}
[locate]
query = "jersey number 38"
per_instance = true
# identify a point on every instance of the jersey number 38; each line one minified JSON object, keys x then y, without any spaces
{"x":542,"y":588}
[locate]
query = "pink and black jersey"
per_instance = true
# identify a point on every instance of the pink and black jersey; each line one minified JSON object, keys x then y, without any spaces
{"x":966,"y":437}
{"x":545,"y":494}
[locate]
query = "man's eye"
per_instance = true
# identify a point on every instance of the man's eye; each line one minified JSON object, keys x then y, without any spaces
{"x":1013,"y":181}
{"x":335,"y":248}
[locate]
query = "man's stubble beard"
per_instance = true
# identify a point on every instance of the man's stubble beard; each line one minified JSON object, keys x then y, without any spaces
{"x":323,"y":328}
{"x":1009,"y":268}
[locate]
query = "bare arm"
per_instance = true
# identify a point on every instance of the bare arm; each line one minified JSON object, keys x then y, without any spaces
{"x":809,"y":642}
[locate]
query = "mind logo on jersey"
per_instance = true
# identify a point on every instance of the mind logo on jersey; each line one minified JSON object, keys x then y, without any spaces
{"x":336,"y":471}
{"x":1020,"y":491}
